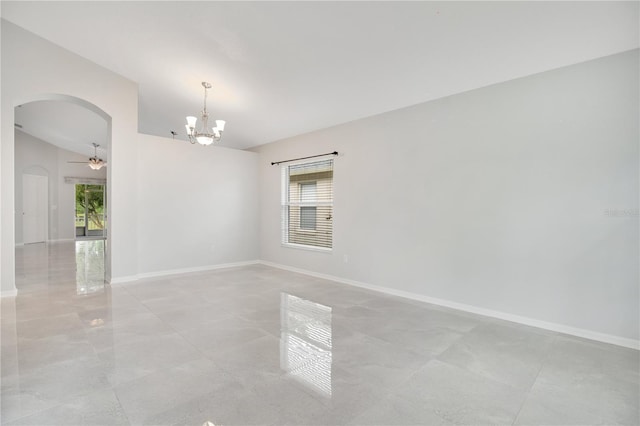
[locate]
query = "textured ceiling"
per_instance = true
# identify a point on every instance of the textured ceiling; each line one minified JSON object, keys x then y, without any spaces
{"x":280,"y":69}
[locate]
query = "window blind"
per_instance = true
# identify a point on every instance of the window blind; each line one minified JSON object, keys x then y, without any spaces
{"x":307,"y":204}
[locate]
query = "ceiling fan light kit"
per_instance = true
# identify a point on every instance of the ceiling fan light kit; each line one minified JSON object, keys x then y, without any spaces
{"x":205,"y":136}
{"x":94,"y":162}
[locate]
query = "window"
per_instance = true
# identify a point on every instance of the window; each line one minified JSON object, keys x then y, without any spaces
{"x":307,"y":204}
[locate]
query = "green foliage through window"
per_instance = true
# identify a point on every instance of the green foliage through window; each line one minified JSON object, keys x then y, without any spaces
{"x":90,"y":200}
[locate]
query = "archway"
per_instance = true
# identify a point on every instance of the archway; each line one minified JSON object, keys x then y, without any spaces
{"x":105,"y":144}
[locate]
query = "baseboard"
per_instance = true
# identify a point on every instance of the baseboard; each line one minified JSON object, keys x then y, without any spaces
{"x":9,"y":293}
{"x":121,"y":280}
{"x":133,"y":278}
{"x":560,"y":328}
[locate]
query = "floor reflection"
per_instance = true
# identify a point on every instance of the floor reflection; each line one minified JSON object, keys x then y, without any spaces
{"x":305,"y":342}
{"x":89,"y":266}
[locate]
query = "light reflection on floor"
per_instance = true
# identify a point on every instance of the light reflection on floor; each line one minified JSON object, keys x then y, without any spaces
{"x":89,"y":266}
{"x":52,"y":267}
{"x":305,"y":343}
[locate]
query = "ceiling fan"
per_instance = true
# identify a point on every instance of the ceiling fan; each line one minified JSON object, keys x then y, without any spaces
{"x":94,"y":162}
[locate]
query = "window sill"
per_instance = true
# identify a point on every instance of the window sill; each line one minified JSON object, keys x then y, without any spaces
{"x":309,"y":248}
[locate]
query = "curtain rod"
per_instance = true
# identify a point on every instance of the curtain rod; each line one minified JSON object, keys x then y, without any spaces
{"x":273,"y":163}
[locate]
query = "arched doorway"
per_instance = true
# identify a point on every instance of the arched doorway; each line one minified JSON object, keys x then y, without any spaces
{"x":62,"y":181}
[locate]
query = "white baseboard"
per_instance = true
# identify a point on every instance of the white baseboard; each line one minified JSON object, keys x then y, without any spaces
{"x":133,"y":278}
{"x":560,"y":328}
{"x":121,"y":280}
{"x":9,"y":293}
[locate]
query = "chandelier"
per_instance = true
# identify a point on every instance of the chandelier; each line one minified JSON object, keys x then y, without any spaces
{"x":206,"y":135}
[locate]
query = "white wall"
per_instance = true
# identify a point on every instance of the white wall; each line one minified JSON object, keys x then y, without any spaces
{"x":494,"y":198}
{"x":35,"y":69}
{"x":147,"y":228}
{"x":197,"y":206}
{"x":33,"y":156}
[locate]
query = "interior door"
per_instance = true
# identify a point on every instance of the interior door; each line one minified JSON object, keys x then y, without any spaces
{"x":35,"y":208}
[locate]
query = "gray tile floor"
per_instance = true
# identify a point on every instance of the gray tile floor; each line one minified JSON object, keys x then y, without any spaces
{"x":257,"y":345}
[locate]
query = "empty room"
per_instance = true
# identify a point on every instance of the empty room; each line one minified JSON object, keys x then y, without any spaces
{"x":320,"y":213}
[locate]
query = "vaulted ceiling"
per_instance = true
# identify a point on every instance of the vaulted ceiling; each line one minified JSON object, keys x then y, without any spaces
{"x":280,"y":69}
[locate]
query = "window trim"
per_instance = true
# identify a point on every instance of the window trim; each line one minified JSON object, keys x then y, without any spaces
{"x":305,"y":247}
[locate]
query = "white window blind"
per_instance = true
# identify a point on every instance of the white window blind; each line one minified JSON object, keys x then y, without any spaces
{"x":307,"y":204}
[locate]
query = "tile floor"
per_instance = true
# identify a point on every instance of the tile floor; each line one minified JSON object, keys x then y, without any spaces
{"x":257,"y":345}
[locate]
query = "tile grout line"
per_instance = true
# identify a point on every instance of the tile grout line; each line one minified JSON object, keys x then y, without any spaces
{"x":528,"y":392}
{"x":198,"y":350}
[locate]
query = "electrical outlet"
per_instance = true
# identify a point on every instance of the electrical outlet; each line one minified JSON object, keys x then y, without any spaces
{"x":345,"y":258}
